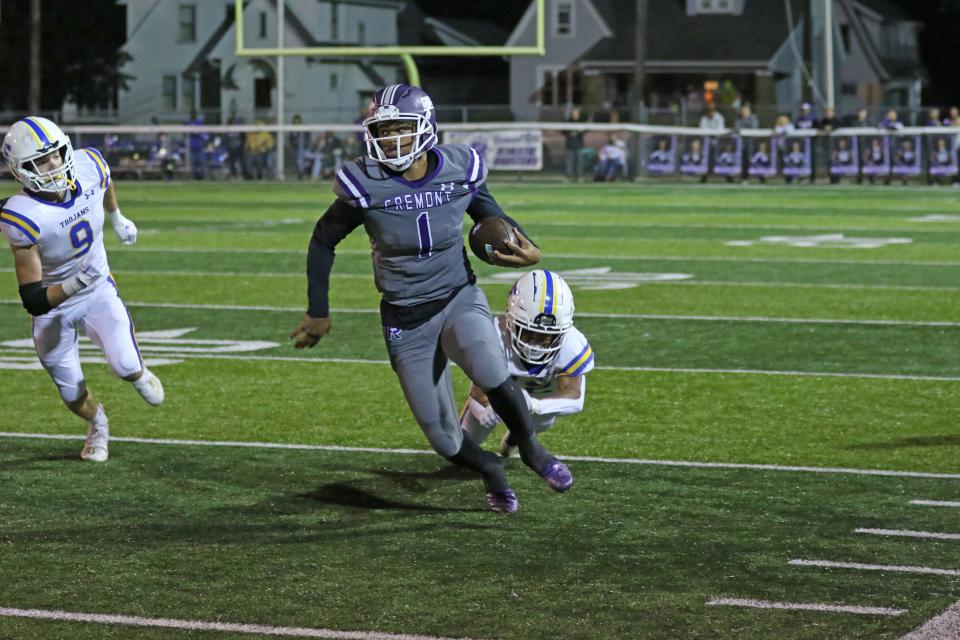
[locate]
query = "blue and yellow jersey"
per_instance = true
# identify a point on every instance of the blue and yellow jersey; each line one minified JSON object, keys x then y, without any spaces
{"x":64,"y":232}
{"x":575,"y":358}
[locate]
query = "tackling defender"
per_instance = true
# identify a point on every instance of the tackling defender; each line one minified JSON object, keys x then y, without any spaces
{"x":410,"y":194}
{"x":55,"y":230}
{"x":546,"y":355}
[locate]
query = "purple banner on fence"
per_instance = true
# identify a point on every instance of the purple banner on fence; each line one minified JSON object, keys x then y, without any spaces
{"x":763,"y":157}
{"x":943,"y":156}
{"x":663,"y":158}
{"x":906,"y":155}
{"x":844,"y":160}
{"x":876,"y":156}
{"x":796,"y":157}
{"x":696,"y":154}
{"x":729,"y":158}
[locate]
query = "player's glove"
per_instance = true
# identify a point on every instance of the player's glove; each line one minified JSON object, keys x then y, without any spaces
{"x":124,"y":228}
{"x":88,"y":274}
{"x":533,"y":405}
{"x":485,"y":415}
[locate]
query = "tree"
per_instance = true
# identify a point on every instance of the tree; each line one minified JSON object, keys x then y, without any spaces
{"x":80,"y":55}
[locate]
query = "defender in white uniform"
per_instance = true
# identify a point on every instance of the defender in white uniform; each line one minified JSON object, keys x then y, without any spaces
{"x":55,"y":230}
{"x":547,"y":356}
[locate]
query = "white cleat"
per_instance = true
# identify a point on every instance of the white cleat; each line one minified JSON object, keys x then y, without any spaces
{"x":95,"y":447}
{"x":149,"y":387}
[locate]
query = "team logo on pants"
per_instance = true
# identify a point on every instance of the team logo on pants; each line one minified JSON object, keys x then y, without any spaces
{"x":393,"y":333}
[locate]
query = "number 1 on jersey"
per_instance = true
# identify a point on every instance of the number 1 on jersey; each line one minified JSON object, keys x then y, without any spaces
{"x":423,"y":231}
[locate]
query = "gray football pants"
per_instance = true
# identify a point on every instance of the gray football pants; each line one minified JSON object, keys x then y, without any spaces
{"x":462,"y":332}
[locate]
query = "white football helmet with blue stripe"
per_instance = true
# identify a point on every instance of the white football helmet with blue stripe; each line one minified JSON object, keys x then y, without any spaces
{"x":539,"y":315}
{"x":31,"y":139}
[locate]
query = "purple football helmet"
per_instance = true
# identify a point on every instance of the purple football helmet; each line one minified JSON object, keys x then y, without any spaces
{"x":404,"y":103}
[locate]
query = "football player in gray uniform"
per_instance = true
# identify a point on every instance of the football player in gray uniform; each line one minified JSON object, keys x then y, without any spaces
{"x":410,"y":194}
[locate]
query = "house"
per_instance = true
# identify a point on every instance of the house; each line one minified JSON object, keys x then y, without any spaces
{"x":184,"y":60}
{"x":747,"y":49}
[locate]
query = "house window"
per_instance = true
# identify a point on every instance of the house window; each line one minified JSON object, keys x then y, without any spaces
{"x":334,"y":21}
{"x":187,"y":31}
{"x":561,"y":87}
{"x":188,"y":93}
{"x":169,"y":93}
{"x":334,"y":80}
{"x":361,"y":33}
{"x":563,"y":18}
{"x":695,"y":7}
{"x":263,"y":25}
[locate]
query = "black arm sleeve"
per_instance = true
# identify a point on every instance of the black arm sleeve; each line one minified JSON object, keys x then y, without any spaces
{"x":332,"y":227}
{"x":484,"y":205}
{"x":34,"y":297}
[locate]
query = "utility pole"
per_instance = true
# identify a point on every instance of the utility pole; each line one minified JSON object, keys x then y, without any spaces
{"x":828,"y":52}
{"x":640,"y":52}
{"x":33,"y":105}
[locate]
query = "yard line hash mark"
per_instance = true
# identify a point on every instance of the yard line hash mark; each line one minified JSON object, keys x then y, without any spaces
{"x":199,"y":625}
{"x":663,"y":463}
{"x":805,"y":606}
{"x":827,"y":564}
{"x":936,"y":503}
{"x":904,"y":533}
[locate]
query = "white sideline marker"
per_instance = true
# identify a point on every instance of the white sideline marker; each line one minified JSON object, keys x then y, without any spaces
{"x":904,"y":533}
{"x":827,"y":564}
{"x":805,"y":606}
{"x":945,"y":626}
{"x":429,"y":452}
{"x":199,"y":625}
{"x":936,"y":503}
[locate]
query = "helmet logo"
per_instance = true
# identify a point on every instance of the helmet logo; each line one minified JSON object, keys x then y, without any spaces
{"x":545,"y":320}
{"x":427,"y":105}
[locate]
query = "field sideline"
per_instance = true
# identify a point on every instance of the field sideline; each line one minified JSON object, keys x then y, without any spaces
{"x":769,"y":445}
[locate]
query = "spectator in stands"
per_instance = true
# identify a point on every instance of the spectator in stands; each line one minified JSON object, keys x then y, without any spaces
{"x":952,"y":115}
{"x":298,"y":144}
{"x":746,"y":119}
{"x":933,"y":119}
{"x":860,"y":120}
{"x":612,"y":161}
{"x":236,"y":163}
{"x":164,"y":155}
{"x":259,"y":144}
{"x":711,"y":118}
{"x":806,"y":120}
{"x":198,"y":148}
{"x":829,"y":122}
{"x":573,"y":143}
{"x":891,"y":122}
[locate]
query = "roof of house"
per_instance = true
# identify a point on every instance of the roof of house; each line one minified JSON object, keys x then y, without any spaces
{"x":673,"y":35}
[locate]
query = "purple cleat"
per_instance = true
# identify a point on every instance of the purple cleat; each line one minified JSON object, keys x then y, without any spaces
{"x":503,"y":501}
{"x":557,"y":475}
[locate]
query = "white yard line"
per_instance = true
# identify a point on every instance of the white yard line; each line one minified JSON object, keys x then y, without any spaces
{"x":490,"y":281}
{"x":570,"y":256}
{"x":13,"y":352}
{"x":582,"y":314}
{"x":945,"y":626}
{"x":199,"y":625}
{"x":905,"y":533}
{"x":805,"y":606}
{"x":936,"y":503}
{"x":827,"y":564}
{"x":635,"y":461}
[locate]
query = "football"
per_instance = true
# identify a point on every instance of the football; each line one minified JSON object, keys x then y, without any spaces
{"x":489,"y":235}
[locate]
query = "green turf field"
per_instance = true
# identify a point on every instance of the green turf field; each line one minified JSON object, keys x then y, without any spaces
{"x":777,"y":379}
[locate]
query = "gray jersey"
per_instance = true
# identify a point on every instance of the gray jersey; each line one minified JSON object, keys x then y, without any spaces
{"x":415,"y":228}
